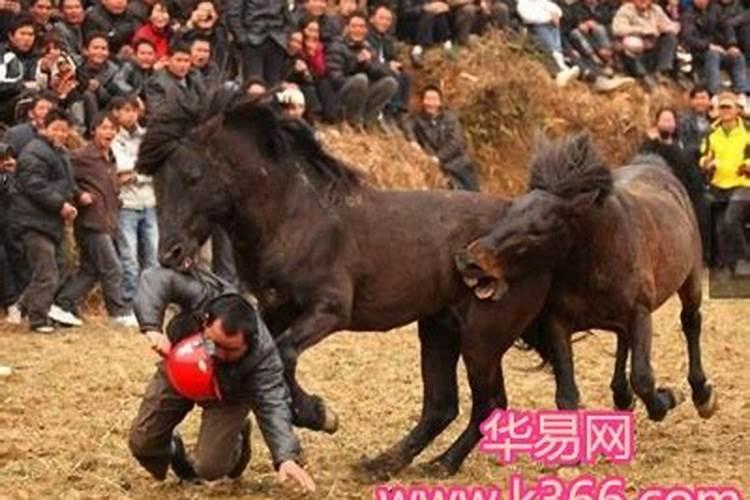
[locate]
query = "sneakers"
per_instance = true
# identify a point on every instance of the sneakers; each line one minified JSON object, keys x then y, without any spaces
{"x":179,"y":462}
{"x":604,"y":84}
{"x":46,"y":327}
{"x":564,"y":77}
{"x":127,"y":321}
{"x":65,"y":318}
{"x":14,"y":316}
{"x":245,"y":451}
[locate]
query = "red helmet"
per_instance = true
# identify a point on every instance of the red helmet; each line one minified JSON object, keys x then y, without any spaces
{"x":191,"y":370}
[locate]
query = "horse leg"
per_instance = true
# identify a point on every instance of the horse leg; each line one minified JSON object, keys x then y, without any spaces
{"x":322,"y":319}
{"x":658,"y":401}
{"x":484,"y":370}
{"x":567,"y":396}
{"x":704,"y":396}
{"x":439,"y":346}
{"x":622,"y":394}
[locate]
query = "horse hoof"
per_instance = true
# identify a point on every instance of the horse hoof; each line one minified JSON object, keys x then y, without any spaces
{"x":623,"y":406}
{"x":437,"y":470}
{"x":707,"y":409}
{"x":382,"y":467}
{"x":331,"y":421}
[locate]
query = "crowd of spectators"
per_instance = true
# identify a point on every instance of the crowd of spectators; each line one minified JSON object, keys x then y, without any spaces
{"x":79,"y":80}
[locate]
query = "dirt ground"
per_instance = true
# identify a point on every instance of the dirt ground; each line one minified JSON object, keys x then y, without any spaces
{"x":65,"y":412}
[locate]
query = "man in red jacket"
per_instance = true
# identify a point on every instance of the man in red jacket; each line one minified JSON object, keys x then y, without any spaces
{"x":96,"y":229}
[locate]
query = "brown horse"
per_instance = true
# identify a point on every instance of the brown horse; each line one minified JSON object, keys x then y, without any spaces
{"x":324,"y":253}
{"x":618,"y":246}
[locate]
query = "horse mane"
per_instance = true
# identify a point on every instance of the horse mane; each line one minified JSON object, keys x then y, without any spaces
{"x":289,"y":143}
{"x":569,"y":167}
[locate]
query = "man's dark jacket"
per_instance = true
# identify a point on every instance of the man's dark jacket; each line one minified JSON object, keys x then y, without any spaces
{"x":44,"y":178}
{"x":97,"y":176}
{"x":257,"y":378}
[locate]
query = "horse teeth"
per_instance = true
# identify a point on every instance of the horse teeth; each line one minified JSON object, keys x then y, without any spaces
{"x":471,"y":282}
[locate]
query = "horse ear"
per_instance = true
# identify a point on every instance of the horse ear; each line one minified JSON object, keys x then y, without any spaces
{"x":583,"y":202}
{"x":205,"y":132}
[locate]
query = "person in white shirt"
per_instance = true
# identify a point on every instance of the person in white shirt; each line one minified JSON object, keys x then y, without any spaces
{"x":138,"y":234}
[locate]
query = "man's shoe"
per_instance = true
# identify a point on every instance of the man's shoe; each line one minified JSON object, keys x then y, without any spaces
{"x":179,"y":461}
{"x":245,"y":452}
{"x":127,"y":321}
{"x":14,"y":316}
{"x":604,"y":84}
{"x":564,"y":77}
{"x":65,"y":318}
{"x":43,"y":328}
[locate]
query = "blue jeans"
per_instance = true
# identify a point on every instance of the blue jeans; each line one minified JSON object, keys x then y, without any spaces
{"x":137,"y":244}
{"x":712,"y":63}
{"x":548,"y":35}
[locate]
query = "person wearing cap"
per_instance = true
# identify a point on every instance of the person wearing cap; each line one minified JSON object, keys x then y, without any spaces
{"x":292,"y":102}
{"x":247,"y":374}
{"x":725,"y":161}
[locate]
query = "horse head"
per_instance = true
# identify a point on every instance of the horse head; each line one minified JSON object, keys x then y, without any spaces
{"x":191,"y":194}
{"x":539,"y":228}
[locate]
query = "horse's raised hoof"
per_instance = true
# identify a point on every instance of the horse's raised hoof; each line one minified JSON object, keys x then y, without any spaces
{"x":437,"y":469}
{"x":709,"y":407}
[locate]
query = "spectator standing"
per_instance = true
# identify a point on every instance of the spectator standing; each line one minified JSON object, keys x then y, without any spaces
{"x":96,"y":227}
{"x":175,"y":80}
{"x":728,"y":168}
{"x":205,"y":23}
{"x":45,"y":202}
{"x":260,"y":29}
{"x":138,"y":232}
{"x":18,"y":136}
{"x":14,"y":273}
{"x":98,"y":76}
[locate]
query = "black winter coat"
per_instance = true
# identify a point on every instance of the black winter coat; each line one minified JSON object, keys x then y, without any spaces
{"x":45,"y":181}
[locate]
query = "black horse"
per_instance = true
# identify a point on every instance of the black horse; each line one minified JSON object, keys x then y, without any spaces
{"x":323,"y":253}
{"x":618,"y":245}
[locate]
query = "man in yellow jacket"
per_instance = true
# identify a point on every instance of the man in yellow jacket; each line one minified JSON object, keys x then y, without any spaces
{"x":725,"y":160}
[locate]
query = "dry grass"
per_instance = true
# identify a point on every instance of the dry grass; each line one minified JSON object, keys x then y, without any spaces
{"x":65,"y":412}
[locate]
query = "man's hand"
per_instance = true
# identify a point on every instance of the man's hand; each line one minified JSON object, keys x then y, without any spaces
{"x":94,"y":85}
{"x":395,"y":66}
{"x":716,"y":48}
{"x":364,"y":56}
{"x":159,"y":342}
{"x":68,"y":212}
{"x":290,"y":468}
{"x":86,"y":199}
